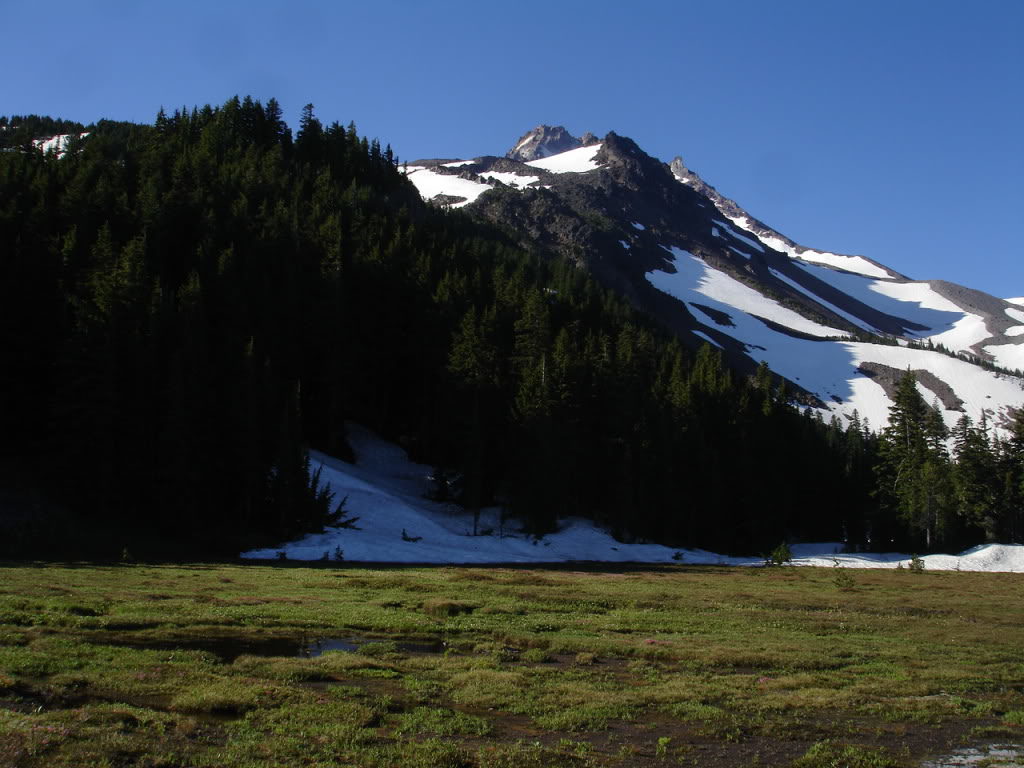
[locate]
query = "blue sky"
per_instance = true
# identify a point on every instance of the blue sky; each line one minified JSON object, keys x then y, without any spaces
{"x":891,"y":129}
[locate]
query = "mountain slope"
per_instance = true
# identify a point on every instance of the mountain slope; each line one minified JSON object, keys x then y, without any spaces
{"x":840,"y":328}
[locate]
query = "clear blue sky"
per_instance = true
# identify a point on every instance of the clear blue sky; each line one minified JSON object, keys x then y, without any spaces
{"x":892,"y":129}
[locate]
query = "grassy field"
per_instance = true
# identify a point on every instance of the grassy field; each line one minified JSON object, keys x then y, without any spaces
{"x":141,"y":665}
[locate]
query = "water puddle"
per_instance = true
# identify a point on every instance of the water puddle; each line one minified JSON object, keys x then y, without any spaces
{"x":227,"y":649}
{"x":989,"y":756}
{"x":322,"y":645}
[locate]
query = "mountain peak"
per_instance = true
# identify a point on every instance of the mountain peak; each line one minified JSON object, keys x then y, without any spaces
{"x":544,"y":141}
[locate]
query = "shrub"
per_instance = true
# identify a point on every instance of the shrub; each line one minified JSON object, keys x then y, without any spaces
{"x":780,"y":555}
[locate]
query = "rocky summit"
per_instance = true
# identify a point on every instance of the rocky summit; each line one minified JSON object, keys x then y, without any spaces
{"x":544,"y":141}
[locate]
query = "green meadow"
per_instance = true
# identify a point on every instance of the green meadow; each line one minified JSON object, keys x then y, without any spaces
{"x":448,"y":667}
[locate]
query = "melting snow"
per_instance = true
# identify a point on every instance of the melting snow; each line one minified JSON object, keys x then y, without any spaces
{"x":694,"y":280}
{"x":828,"y":368}
{"x":512,"y":179}
{"x":916,"y":302}
{"x":1016,"y":330}
{"x":857,"y":264}
{"x":431,"y":184}
{"x":1007,"y":355}
{"x":707,"y":339}
{"x":846,"y":315}
{"x":56,"y":144}
{"x":579,"y":160}
{"x":397,"y":524}
{"x":1016,"y":314}
{"x":969,"y":330}
{"x":991,"y":755}
{"x":738,"y":236}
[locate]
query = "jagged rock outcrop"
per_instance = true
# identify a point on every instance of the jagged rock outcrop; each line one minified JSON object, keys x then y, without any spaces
{"x":543,"y":141}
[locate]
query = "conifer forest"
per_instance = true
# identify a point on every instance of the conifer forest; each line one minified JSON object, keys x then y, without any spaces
{"x":187,"y":307}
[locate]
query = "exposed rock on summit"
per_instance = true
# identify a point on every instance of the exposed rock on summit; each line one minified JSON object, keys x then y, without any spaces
{"x":543,"y":141}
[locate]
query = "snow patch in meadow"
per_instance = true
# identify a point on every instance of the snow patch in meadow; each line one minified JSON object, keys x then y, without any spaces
{"x":397,"y":524}
{"x":579,"y":160}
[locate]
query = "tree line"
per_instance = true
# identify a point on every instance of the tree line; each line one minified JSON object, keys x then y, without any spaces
{"x":187,"y":307}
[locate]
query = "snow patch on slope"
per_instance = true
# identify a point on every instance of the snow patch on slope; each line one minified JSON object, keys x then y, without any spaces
{"x":431,"y":184}
{"x":512,"y":179}
{"x":857,"y":264}
{"x":579,"y":160}
{"x":695,"y":280}
{"x":738,"y":236}
{"x":708,"y":339}
{"x":916,"y":302}
{"x":1009,"y":356}
{"x":828,"y":369}
{"x":386,"y":492}
{"x":969,"y":330}
{"x":56,"y":144}
{"x":842,"y":313}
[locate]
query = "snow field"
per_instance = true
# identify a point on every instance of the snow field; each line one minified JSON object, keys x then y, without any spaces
{"x":397,"y":524}
{"x":857,"y":264}
{"x":738,"y":236}
{"x":845,"y":315}
{"x":966,"y":332}
{"x":828,"y":369}
{"x":56,"y":144}
{"x":579,"y":160}
{"x":694,"y":280}
{"x":431,"y":184}
{"x":707,"y":338}
{"x":512,"y":179}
